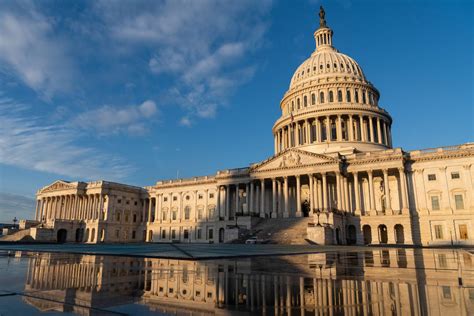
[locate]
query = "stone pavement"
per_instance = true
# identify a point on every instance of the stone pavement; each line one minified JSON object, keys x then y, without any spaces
{"x":179,"y":251}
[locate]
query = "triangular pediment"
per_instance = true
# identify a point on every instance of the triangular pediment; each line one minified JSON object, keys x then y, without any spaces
{"x":293,"y":158}
{"x":59,"y":185}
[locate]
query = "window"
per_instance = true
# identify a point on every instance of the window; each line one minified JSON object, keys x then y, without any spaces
{"x":198,"y":294}
{"x":211,"y":211}
{"x":321,"y":66}
{"x":185,"y":234}
{"x":174,"y":215}
{"x":163,"y":215}
{"x":127,"y":202}
{"x":134,"y":234}
{"x":443,"y":263}
{"x":446,"y":292}
{"x":163,"y":234}
{"x":173,"y":234}
{"x":199,"y":233}
{"x":335,"y":65}
{"x":431,"y":177}
{"x":187,"y":212}
{"x":435,"y":203}
{"x":305,"y":101}
{"x":348,"y":95}
{"x":187,"y":197}
{"x":356,"y":96}
{"x":438,"y":231}
{"x":165,"y":199}
{"x":339,"y":96}
{"x":200,"y":196}
{"x":321,"y":97}
{"x":175,"y":198}
{"x":211,"y":195}
{"x":292,"y":106}
{"x":161,"y":289}
{"x":199,"y":213}
{"x":119,"y":201}
{"x":331,"y":96}
{"x":313,"y":99}
{"x":135,"y":203}
{"x":134,"y":218}
{"x":298,"y":103}
{"x":118,"y":216}
{"x":455,"y":175}
{"x":211,"y":233}
{"x":462,"y":231}
{"x":459,"y":201}
{"x":364,"y":100}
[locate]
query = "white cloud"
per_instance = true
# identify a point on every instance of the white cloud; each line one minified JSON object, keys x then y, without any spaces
{"x":29,"y":50}
{"x":26,"y":142}
{"x":112,"y":120}
{"x":201,"y":45}
{"x":13,"y":205}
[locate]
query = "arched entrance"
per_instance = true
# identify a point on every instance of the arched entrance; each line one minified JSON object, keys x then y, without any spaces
{"x":221,"y":235}
{"x":367,"y":231}
{"x":79,"y":234}
{"x":351,"y":235}
{"x":338,"y":236}
{"x":93,"y":235}
{"x":383,"y":235}
{"x":86,"y":237}
{"x":399,"y":234}
{"x":61,"y":236}
{"x":150,"y":236}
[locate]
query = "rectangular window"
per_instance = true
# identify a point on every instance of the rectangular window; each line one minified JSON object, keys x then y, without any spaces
{"x":200,"y":196}
{"x":173,"y":234}
{"x":175,"y":215}
{"x":435,"y":203}
{"x":165,"y":199}
{"x":431,"y":177}
{"x":119,"y":201}
{"x":175,"y":198}
{"x":161,"y":289}
{"x":163,"y":234}
{"x":134,"y":218}
{"x":164,"y":215}
{"x":447,"y":292}
{"x":199,"y":233}
{"x":438,"y":231}
{"x":200,"y":213}
{"x":463,"y":231}
{"x":459,"y":201}
{"x":211,"y":195}
{"x":211,"y":234}
{"x":186,"y":234}
{"x":134,"y":234}
{"x":443,"y":263}
{"x":117,"y":233}
{"x":455,"y":175}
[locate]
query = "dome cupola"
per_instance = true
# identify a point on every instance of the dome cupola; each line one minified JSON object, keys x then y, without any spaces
{"x":330,"y":106}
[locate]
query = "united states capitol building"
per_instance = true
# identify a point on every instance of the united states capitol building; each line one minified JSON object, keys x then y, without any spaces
{"x":334,"y":177}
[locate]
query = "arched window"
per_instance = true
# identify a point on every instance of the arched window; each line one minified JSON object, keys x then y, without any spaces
{"x":331,"y":96}
{"x":364,"y":99}
{"x":339,"y":96}
{"x":321,"y":97}
{"x":333,"y":129}
{"x":348,"y":95}
{"x":356,"y":95}
{"x":187,"y":212}
{"x":305,"y":101}
{"x":298,"y":103}
{"x":371,"y":98}
{"x":292,"y":106}
{"x":313,"y":99}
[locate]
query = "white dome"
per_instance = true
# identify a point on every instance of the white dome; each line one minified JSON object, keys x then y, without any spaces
{"x":326,"y":63}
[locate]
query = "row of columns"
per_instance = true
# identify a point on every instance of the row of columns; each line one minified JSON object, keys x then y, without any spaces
{"x":320,"y":129}
{"x":70,"y":207}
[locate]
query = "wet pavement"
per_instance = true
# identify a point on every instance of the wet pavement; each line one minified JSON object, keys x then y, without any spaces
{"x":340,"y":281}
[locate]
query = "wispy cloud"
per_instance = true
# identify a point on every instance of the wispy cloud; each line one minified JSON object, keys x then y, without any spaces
{"x":29,"y":49}
{"x":25,"y":141}
{"x":14,"y":205}
{"x":201,"y":45}
{"x":113,"y":120}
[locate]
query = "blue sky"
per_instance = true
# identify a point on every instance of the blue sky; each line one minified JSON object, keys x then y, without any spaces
{"x":136,"y":91}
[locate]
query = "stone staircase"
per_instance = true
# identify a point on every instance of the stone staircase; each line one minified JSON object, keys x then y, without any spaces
{"x":286,"y":231}
{"x":21,"y":235}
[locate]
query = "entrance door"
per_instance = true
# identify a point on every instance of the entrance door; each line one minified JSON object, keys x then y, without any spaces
{"x":61,"y":236}
{"x":305,"y":208}
{"x":221,"y":235}
{"x":383,"y":236}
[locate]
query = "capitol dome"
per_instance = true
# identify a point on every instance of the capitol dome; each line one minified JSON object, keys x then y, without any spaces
{"x":330,"y":106}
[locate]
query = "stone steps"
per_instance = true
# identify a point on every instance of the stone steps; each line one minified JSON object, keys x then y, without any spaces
{"x":288,"y":231}
{"x":16,"y":236}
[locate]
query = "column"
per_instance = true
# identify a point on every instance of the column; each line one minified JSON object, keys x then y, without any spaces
{"x":274,"y":199}
{"x":298,"y":197}
{"x":308,"y":132}
{"x":325,"y":191}
{"x":236,"y":199}
{"x":338,"y":191}
{"x":403,"y":188}
{"x":350,"y":129}
{"x":288,"y":134}
{"x":388,"y":206}
{"x":285,"y":197}
{"x":275,"y":142}
{"x":158,"y":215}
{"x":371,"y":129}
{"x":317,"y":128}
{"x":252,"y":193}
{"x":262,"y":199}
{"x":371,"y":191}
{"x":328,"y":129}
{"x":247,"y":198}
{"x":218,"y":204}
{"x":346,"y":194}
{"x":279,"y":195}
{"x":362,"y":132}
{"x":149,"y":210}
{"x":36,"y":210}
{"x":311,"y":193}
{"x":339,"y":129}
{"x":379,"y":132}
{"x":227,"y":202}
{"x":357,"y":193}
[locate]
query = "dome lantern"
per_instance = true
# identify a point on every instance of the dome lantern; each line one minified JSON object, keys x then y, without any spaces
{"x":323,"y":35}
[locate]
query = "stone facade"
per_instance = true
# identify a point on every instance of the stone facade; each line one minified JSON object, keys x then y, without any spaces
{"x":333,"y":161}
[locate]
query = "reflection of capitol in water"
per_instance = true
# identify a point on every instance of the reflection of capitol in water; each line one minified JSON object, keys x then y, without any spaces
{"x":375,"y":282}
